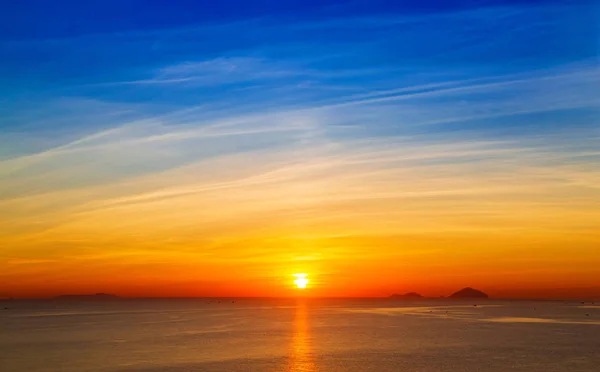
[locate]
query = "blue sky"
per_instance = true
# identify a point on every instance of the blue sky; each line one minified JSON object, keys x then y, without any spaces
{"x":471,"y":70}
{"x":121,"y":103}
{"x":159,"y":57}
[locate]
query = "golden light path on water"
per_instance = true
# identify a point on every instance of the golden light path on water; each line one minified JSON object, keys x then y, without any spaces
{"x":301,"y":358}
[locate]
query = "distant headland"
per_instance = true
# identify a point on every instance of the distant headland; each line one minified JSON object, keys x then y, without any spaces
{"x":467,"y":292}
{"x":94,"y":297}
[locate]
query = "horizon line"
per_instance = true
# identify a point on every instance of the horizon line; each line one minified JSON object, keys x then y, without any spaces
{"x":390,"y":297}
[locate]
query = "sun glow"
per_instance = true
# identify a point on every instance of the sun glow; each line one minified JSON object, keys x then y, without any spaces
{"x":301,"y":281}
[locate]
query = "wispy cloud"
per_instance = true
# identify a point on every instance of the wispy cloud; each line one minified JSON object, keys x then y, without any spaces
{"x":219,"y":71}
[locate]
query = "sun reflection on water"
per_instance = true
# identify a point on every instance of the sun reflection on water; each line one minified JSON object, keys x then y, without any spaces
{"x":301,"y":359}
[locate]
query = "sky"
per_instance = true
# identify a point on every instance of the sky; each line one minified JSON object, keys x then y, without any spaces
{"x":190,"y":148}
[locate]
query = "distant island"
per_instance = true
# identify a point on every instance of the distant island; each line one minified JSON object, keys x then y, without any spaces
{"x":406,"y":296}
{"x":469,"y":293}
{"x":94,"y":297}
{"x":463,"y":293}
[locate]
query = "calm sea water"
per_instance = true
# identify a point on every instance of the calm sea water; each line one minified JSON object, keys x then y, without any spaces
{"x":299,"y":336}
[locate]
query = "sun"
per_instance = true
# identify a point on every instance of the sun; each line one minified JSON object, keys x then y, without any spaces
{"x":301,"y":281}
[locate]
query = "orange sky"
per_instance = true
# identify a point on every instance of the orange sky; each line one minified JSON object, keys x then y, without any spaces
{"x":356,"y":238}
{"x":242,"y":225}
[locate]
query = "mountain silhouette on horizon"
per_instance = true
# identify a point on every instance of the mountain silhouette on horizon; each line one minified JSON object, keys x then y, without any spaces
{"x":469,"y":292}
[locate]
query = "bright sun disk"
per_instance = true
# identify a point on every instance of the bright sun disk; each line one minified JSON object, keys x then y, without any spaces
{"x":301,"y":280}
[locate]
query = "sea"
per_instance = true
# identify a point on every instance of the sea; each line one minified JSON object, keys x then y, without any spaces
{"x":299,"y":335}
